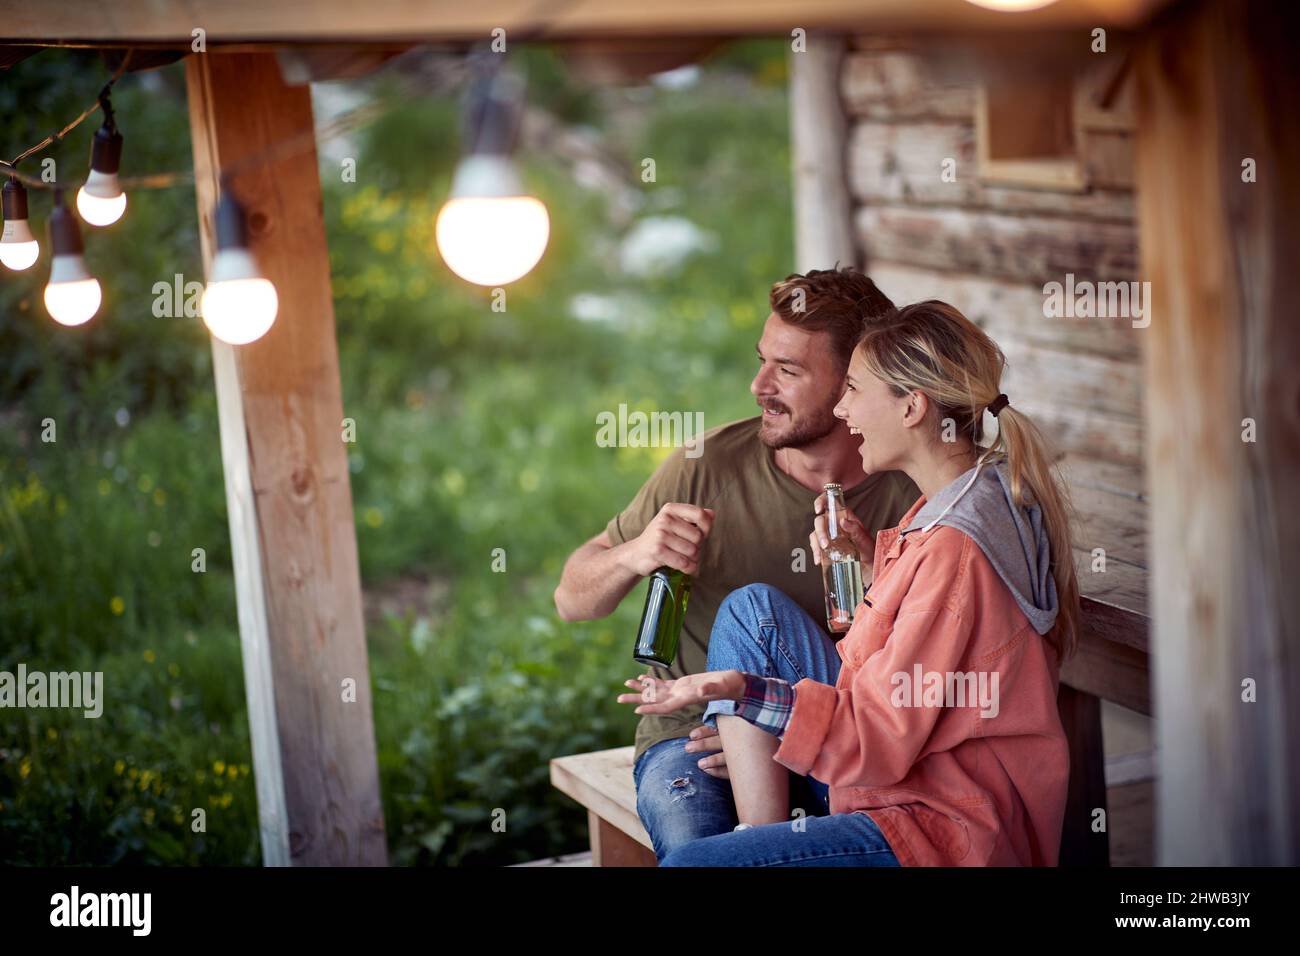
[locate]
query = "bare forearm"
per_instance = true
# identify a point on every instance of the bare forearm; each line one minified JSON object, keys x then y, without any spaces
{"x":593,"y":583}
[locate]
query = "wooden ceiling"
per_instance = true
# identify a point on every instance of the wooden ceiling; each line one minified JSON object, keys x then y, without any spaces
{"x":171,"y":22}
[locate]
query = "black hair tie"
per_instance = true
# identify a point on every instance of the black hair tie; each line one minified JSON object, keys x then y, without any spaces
{"x":998,"y":404}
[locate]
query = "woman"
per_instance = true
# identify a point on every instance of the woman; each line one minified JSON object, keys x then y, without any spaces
{"x":933,"y":722}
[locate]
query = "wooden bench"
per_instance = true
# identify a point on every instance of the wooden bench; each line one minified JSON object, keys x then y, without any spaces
{"x":1111,"y":663}
{"x":602,"y":782}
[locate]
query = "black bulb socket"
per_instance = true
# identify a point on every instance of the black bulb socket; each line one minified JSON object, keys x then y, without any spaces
{"x":65,"y":234}
{"x":14,"y":200}
{"x":232,"y":233}
{"x":106,"y":150}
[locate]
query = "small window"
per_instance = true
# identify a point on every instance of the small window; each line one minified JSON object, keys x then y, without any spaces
{"x":1027,"y":136}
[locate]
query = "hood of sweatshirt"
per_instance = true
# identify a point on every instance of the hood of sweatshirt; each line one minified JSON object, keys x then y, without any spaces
{"x":1014,"y":539}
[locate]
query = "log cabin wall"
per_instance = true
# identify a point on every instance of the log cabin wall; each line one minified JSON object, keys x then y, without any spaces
{"x":989,"y":242}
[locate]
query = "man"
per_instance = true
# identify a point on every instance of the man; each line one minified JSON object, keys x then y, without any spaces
{"x":740,"y":514}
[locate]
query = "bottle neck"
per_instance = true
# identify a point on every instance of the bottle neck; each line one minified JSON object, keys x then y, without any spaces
{"x":835,"y":508}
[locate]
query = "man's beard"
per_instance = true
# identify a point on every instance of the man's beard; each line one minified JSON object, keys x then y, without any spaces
{"x":799,"y":433}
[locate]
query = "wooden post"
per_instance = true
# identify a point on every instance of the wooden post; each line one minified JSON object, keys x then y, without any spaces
{"x":1218,"y":84}
{"x":287,"y":490}
{"x":823,"y":226}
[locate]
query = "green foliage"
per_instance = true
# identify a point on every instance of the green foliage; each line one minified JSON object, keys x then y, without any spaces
{"x":475,"y":432}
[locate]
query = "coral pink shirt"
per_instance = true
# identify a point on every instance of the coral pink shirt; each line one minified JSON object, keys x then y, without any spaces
{"x":947,"y":785}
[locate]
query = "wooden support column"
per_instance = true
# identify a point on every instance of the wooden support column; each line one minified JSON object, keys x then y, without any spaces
{"x":1218,"y":85}
{"x":823,"y":211}
{"x":287,"y":490}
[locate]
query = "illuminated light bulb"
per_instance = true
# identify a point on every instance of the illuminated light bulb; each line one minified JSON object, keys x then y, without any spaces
{"x":1012,"y":6}
{"x":239,"y":304}
{"x":18,"y":247}
{"x":490,"y":232}
{"x":101,"y":201}
{"x":72,"y":296}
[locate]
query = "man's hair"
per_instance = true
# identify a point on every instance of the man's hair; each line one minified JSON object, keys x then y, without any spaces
{"x":842,"y":302}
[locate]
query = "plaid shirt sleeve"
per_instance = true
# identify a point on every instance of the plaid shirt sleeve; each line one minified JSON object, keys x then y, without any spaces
{"x":767,"y":703}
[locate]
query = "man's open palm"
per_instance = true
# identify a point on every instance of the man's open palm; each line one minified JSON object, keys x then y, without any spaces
{"x":657,"y":696}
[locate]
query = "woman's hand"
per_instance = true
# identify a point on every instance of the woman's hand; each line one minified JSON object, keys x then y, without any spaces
{"x":706,"y":740}
{"x":665,"y":696}
{"x":849,"y":523}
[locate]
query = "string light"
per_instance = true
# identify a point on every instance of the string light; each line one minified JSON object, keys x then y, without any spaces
{"x":101,"y":200}
{"x":18,"y":247}
{"x":490,"y":231}
{"x":239,"y":304}
{"x":72,"y":296}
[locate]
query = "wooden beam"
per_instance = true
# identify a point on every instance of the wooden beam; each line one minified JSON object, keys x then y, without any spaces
{"x":823,"y":210}
{"x":1081,"y":718}
{"x":1219,"y":84}
{"x":316,"y":20}
{"x":287,"y":490}
{"x":1111,"y":669}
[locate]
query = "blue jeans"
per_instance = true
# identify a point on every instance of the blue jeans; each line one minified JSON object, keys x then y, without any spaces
{"x":679,"y":803}
{"x":759,"y":630}
{"x":842,"y":839}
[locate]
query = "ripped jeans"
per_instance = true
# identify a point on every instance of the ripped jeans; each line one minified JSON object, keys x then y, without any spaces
{"x":678,"y":802}
{"x":759,"y":630}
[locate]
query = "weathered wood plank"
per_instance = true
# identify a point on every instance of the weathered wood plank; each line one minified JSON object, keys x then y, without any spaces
{"x":1031,"y":249}
{"x":1121,"y":585}
{"x":1108,"y":161}
{"x":1218,"y":83}
{"x":1079,"y":430}
{"x":1105,"y":386}
{"x":896,"y":85}
{"x":347,"y":21}
{"x":287,"y":385}
{"x":903,"y":163}
{"x":1108,"y":669}
{"x":1119,"y":479}
{"x":1113,"y":522}
{"x":1008,"y":311}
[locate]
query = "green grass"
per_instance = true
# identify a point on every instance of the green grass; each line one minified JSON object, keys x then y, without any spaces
{"x":475,"y":432}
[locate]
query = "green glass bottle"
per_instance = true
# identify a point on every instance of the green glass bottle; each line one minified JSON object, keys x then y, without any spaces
{"x":662,"y":617}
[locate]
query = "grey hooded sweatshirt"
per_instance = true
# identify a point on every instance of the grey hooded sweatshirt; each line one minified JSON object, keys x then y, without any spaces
{"x":1013,"y":539}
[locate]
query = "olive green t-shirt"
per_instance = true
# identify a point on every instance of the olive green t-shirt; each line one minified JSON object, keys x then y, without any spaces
{"x":760,"y":535}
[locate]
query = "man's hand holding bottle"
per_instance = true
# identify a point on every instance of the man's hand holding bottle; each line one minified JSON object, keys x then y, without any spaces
{"x":674,"y":538}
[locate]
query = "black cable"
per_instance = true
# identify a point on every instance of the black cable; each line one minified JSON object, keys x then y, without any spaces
{"x":101,"y":102}
{"x":355,"y":118}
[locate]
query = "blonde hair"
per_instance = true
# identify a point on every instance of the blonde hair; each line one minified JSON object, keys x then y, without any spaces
{"x":930,"y":347}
